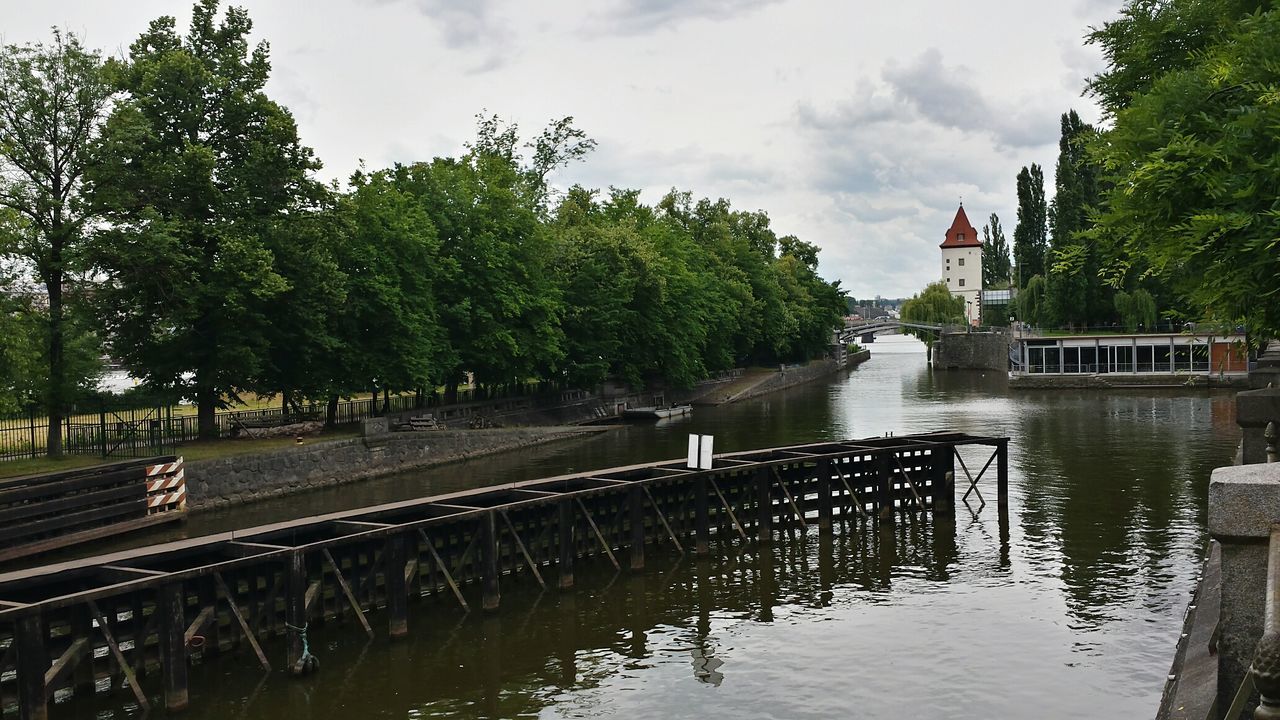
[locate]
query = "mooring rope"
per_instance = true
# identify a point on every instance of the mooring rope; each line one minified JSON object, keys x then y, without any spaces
{"x":307,"y":663}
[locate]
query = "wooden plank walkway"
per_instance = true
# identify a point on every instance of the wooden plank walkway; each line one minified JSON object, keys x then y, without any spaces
{"x":135,"y":617}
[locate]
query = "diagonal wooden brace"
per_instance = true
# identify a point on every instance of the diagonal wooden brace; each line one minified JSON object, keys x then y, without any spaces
{"x":603,"y":543}
{"x":533,"y":567}
{"x":346,"y":591}
{"x":448,"y":578}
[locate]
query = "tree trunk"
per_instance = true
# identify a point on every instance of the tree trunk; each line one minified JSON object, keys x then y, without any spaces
{"x":206,"y":407}
{"x":55,"y":402}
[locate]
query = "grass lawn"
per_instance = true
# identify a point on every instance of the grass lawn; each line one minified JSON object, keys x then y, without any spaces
{"x":201,"y":450}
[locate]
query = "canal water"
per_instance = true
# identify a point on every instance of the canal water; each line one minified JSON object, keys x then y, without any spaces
{"x":1070,"y":607}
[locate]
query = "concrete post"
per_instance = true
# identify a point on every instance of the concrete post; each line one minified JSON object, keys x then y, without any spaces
{"x":1254,"y":409}
{"x":1244,"y":502}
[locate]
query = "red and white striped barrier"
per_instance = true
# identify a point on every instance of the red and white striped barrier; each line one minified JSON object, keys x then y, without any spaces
{"x":166,"y":487}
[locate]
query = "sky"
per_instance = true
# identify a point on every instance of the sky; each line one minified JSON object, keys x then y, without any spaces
{"x":856,"y":126}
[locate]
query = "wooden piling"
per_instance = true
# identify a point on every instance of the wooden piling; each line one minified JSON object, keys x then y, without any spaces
{"x":635,"y":502}
{"x":564,"y":520}
{"x":395,"y":558}
{"x":824,"y":496}
{"x":701,"y":516}
{"x":488,"y":542}
{"x":1002,"y":474}
{"x":32,"y":663}
{"x":295,"y":609}
{"x":173,"y":645}
{"x":764,"y":506}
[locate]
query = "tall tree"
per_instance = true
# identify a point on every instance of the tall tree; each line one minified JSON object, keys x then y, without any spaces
{"x":1029,"y":236}
{"x":1076,"y":293}
{"x":1192,"y":156}
{"x":52,"y":101}
{"x":199,"y":165}
{"x":995,"y":254}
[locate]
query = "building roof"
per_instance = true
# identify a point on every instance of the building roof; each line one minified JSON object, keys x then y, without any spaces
{"x":962,"y":233}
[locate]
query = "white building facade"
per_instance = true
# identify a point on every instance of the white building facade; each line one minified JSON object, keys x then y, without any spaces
{"x":962,"y":264}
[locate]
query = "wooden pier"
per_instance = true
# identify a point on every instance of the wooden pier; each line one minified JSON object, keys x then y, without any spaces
{"x":133,"y":619}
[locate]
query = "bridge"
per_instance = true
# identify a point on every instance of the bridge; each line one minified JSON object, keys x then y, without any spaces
{"x":867,"y":331}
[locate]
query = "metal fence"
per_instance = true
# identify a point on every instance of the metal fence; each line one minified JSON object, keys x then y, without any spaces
{"x":124,"y":431}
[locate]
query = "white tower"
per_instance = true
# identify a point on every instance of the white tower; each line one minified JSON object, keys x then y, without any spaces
{"x":962,"y":264}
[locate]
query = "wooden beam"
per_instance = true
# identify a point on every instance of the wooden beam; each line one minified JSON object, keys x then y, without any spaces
{"x":171,"y":603}
{"x":346,"y":591}
{"x":716,"y":486}
{"x":663,"y":519}
{"x":65,"y":663}
{"x":599,"y":536}
{"x":129,"y":676}
{"x":244,"y":626}
{"x":533,"y":567}
{"x":795,"y":508}
{"x":198,"y":624}
{"x":448,"y":578}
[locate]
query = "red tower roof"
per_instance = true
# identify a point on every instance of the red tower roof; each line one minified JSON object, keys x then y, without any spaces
{"x":961,"y":234}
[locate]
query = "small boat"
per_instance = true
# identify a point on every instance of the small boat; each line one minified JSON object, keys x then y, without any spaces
{"x":656,"y":413}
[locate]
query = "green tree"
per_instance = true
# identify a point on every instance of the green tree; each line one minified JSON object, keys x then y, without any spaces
{"x":1136,"y":310}
{"x":995,"y":255}
{"x":1076,"y":293}
{"x":199,"y":166}
{"x":1029,"y":240}
{"x":388,"y":332}
{"x":1033,"y":305}
{"x":935,"y":305}
{"x":1192,"y":157}
{"x":52,"y":101}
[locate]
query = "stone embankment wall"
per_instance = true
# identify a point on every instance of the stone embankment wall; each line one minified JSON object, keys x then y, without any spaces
{"x":972,"y":351}
{"x":251,"y":477}
{"x":799,"y":375}
{"x":1123,"y":380}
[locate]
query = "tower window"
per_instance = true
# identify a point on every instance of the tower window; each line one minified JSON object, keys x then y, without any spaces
{"x":960,"y":237}
{"x":961,"y":262}
{"x":961,"y":282}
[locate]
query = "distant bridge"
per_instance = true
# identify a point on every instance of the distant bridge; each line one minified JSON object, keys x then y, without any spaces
{"x":856,"y":332}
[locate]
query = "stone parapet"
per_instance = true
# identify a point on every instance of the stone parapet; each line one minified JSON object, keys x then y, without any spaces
{"x":1244,"y":502}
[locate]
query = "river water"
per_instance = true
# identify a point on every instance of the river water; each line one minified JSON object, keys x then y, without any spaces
{"x":1069,"y":609}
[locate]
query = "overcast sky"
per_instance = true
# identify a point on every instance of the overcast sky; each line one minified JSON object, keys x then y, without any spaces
{"x":857,"y":126}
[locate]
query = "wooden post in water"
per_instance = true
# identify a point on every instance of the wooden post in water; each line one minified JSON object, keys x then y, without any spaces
{"x":884,"y":484}
{"x":173,"y":645}
{"x":701,"y":517}
{"x":1002,"y":473}
{"x":824,"y":495}
{"x":295,"y":609}
{"x":488,"y":541}
{"x":395,"y":557}
{"x":32,"y":663}
{"x":764,"y":506}
{"x":942,"y":478}
{"x":567,"y":550}
{"x":635,"y":501}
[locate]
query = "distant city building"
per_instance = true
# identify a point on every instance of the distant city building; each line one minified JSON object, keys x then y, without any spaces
{"x":962,"y":264}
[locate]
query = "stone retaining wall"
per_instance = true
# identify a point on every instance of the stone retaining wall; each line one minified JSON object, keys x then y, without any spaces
{"x":972,"y":351}
{"x":1124,"y":381}
{"x":793,"y":376}
{"x":250,"y":477}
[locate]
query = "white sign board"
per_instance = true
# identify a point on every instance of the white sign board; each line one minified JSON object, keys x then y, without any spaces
{"x":700,"y":451}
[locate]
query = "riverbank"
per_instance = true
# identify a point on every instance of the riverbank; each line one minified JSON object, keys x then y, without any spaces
{"x":248,"y":478}
{"x":757,"y":381}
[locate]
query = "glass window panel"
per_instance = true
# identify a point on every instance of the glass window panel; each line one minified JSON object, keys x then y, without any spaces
{"x":1144,"y":358}
{"x":1162,"y":359}
{"x":1182,"y":358}
{"x":1088,"y":360}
